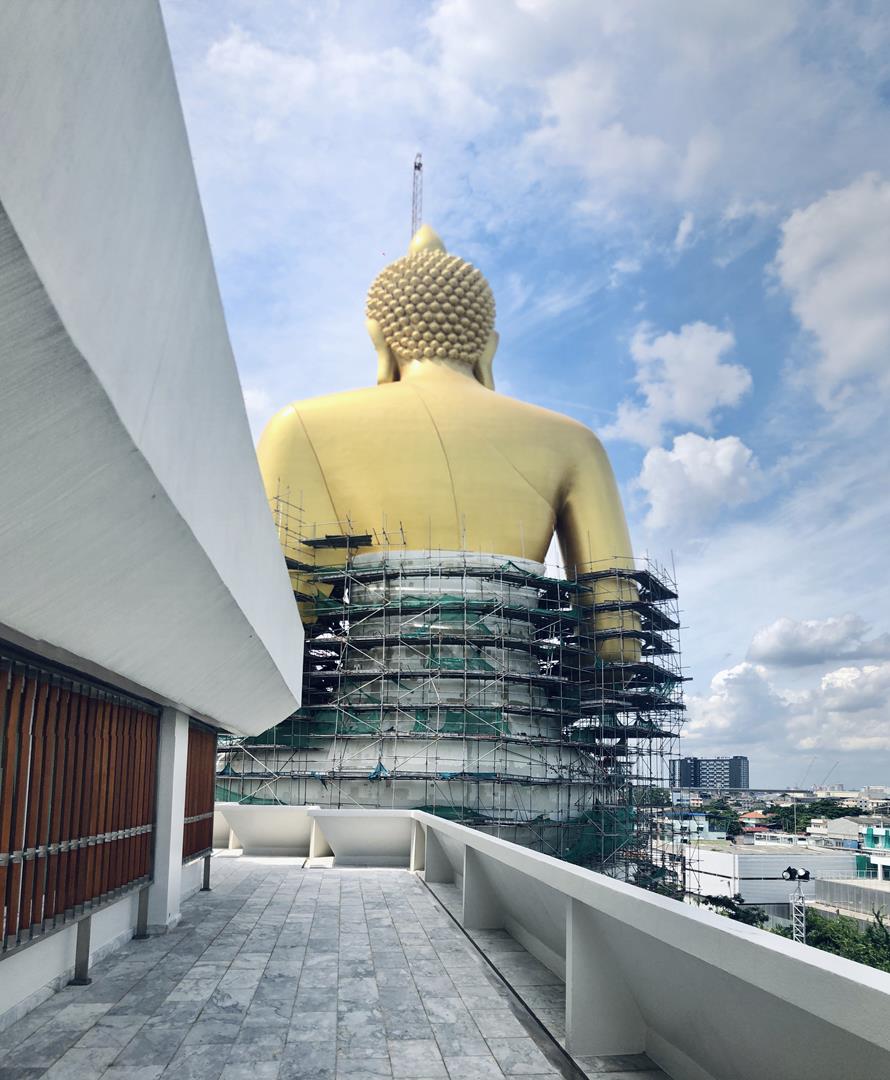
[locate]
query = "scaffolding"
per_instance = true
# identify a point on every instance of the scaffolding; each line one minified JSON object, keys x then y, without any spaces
{"x":480,"y":688}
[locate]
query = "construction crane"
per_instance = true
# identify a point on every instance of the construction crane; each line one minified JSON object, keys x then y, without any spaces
{"x":807,"y":773}
{"x":830,"y":771}
{"x":417,"y":195}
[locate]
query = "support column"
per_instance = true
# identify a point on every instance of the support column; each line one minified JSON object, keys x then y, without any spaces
{"x":418,"y":847}
{"x":166,"y":890}
{"x":319,"y":848}
{"x":82,"y":954}
{"x":436,"y":864}
{"x":482,"y":908}
{"x":142,"y":915}
{"x":602,"y":1016}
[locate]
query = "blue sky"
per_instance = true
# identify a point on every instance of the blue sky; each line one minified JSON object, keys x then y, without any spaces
{"x":684,"y":212}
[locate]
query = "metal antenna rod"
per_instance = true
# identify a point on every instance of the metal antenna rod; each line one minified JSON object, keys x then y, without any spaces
{"x":417,"y":195}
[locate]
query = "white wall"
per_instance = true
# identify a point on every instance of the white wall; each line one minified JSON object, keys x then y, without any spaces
{"x":36,"y":971}
{"x":136,"y":541}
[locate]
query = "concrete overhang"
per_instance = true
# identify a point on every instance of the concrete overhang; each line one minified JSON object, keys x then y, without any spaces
{"x":135,"y":538}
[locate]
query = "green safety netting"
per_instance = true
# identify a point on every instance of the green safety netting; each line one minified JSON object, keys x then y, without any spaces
{"x":225,"y":794}
{"x":598,"y":834}
{"x":457,"y":663}
{"x":454,"y":813}
{"x":460,"y":721}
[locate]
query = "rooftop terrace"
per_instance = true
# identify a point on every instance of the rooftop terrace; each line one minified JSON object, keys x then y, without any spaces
{"x":321,"y":973}
{"x":397,"y":944}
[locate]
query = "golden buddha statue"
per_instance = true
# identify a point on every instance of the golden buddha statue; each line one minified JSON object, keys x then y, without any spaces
{"x":435,"y":453}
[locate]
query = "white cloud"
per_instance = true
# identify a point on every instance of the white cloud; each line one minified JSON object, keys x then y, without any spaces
{"x":834,"y":260}
{"x":847,"y":712}
{"x":788,"y":643}
{"x":741,"y":103}
{"x":684,"y":231}
{"x":622,"y":268}
{"x":744,"y":712}
{"x":690,"y":483}
{"x":741,"y":708}
{"x":682,"y":378}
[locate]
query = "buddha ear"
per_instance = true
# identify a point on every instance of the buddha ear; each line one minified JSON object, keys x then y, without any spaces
{"x":387,"y":367}
{"x":482,"y":367}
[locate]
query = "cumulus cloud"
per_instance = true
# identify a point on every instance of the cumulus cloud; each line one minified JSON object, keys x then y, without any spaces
{"x":744,"y":712}
{"x":848,"y":711}
{"x":790,"y":643}
{"x":740,"y":708}
{"x":690,"y":483}
{"x":834,"y":261}
{"x":682,"y":378}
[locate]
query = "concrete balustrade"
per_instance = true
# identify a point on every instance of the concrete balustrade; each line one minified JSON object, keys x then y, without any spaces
{"x":705,"y":997}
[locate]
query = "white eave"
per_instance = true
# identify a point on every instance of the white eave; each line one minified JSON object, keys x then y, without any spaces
{"x":134,"y":532}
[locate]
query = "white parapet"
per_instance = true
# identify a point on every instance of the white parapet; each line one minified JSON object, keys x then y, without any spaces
{"x":705,"y":997}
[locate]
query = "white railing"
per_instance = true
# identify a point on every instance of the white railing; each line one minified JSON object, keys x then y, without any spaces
{"x":705,"y":997}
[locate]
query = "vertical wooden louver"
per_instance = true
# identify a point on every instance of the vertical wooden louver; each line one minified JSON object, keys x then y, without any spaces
{"x":77,"y":797}
{"x":200,"y":777}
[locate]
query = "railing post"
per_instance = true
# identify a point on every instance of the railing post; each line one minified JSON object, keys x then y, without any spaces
{"x":205,"y":887}
{"x":436,"y":864}
{"x":482,"y":910}
{"x":82,"y":954}
{"x":602,"y":1016}
{"x":418,"y":847}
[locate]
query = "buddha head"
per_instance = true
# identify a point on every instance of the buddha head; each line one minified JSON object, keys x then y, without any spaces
{"x":432,"y":307}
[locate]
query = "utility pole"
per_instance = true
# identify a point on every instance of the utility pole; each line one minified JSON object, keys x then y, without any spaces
{"x":417,"y":196}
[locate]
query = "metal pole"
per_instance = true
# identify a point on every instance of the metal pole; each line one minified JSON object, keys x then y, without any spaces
{"x":82,"y":954}
{"x":206,"y":886}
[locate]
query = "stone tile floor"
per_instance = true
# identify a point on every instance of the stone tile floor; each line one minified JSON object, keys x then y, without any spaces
{"x":286,"y":973}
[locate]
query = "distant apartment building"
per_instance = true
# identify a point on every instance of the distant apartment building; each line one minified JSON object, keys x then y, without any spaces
{"x":711,"y":773}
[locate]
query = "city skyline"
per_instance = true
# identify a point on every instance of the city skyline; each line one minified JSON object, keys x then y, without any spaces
{"x":694,"y":263}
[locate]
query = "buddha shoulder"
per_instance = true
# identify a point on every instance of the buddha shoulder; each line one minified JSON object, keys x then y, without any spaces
{"x":575,"y":439}
{"x":318,"y":408}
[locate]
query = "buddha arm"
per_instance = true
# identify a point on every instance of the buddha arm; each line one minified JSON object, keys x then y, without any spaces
{"x":296,"y":489}
{"x":592,"y":533}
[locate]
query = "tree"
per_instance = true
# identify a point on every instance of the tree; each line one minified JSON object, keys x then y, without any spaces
{"x":734,"y":907}
{"x":722,"y":816}
{"x":842,"y":937}
{"x":784,"y":817}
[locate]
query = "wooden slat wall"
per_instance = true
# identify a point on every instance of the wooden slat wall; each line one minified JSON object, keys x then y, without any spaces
{"x":200,"y":777}
{"x":77,"y":794}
